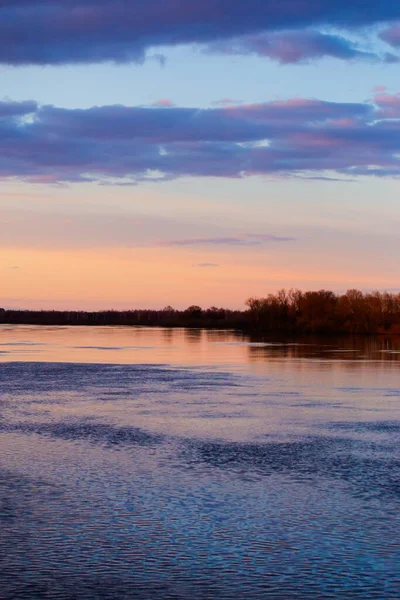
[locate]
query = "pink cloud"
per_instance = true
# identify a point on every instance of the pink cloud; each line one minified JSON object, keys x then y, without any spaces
{"x":163,"y":102}
{"x":129,"y":145}
{"x":291,"y":46}
{"x":389,"y":105}
{"x":345,"y":123}
{"x":314,"y":139}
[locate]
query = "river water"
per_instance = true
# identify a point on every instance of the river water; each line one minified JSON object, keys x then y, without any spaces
{"x":140,"y":463}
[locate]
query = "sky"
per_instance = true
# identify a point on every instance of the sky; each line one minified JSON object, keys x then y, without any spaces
{"x":178,"y":152}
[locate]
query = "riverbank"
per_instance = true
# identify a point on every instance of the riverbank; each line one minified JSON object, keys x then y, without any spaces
{"x":290,"y":312}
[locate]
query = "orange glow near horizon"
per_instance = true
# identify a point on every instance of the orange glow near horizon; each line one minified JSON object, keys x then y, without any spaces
{"x":213,"y":242}
{"x":154,"y":277}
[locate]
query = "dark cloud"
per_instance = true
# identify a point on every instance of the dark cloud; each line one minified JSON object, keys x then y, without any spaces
{"x":390,"y":58}
{"x":391,"y":35}
{"x":292,"y":47}
{"x":60,"y":31}
{"x":17,"y":109}
{"x":125,"y":145}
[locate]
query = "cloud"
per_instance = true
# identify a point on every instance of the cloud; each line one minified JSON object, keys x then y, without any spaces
{"x":266,"y":237}
{"x":389,"y":105}
{"x":160,"y":58}
{"x":17,"y":109}
{"x":225,"y":102}
{"x":46,"y":32}
{"x":206,"y":265}
{"x":288,"y":47}
{"x":391,"y":35}
{"x":164,"y":102}
{"x":121,"y":145}
{"x":248,"y":239}
{"x":390,"y":58}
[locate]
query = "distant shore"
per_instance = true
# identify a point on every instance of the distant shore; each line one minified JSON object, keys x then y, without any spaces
{"x":286,"y":312}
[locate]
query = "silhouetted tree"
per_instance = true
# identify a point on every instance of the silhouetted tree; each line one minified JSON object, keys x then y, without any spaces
{"x":194,"y":310}
{"x":292,"y":311}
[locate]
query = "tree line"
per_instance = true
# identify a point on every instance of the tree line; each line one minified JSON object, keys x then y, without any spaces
{"x":287,"y":311}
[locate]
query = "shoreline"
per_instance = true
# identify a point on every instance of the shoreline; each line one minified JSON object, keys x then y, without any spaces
{"x":252,"y":332}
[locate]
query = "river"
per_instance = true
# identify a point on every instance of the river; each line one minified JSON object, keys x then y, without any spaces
{"x":145,"y":463}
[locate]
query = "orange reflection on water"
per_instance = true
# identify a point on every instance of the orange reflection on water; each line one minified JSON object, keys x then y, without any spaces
{"x":193,"y":347}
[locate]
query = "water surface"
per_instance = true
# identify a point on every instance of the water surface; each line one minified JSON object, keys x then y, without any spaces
{"x":159,"y":463}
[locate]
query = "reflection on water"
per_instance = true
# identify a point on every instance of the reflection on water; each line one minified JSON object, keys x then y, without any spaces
{"x":148,"y":463}
{"x":133,"y":345}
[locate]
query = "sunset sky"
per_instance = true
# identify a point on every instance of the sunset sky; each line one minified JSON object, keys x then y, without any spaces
{"x":180,"y":151}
